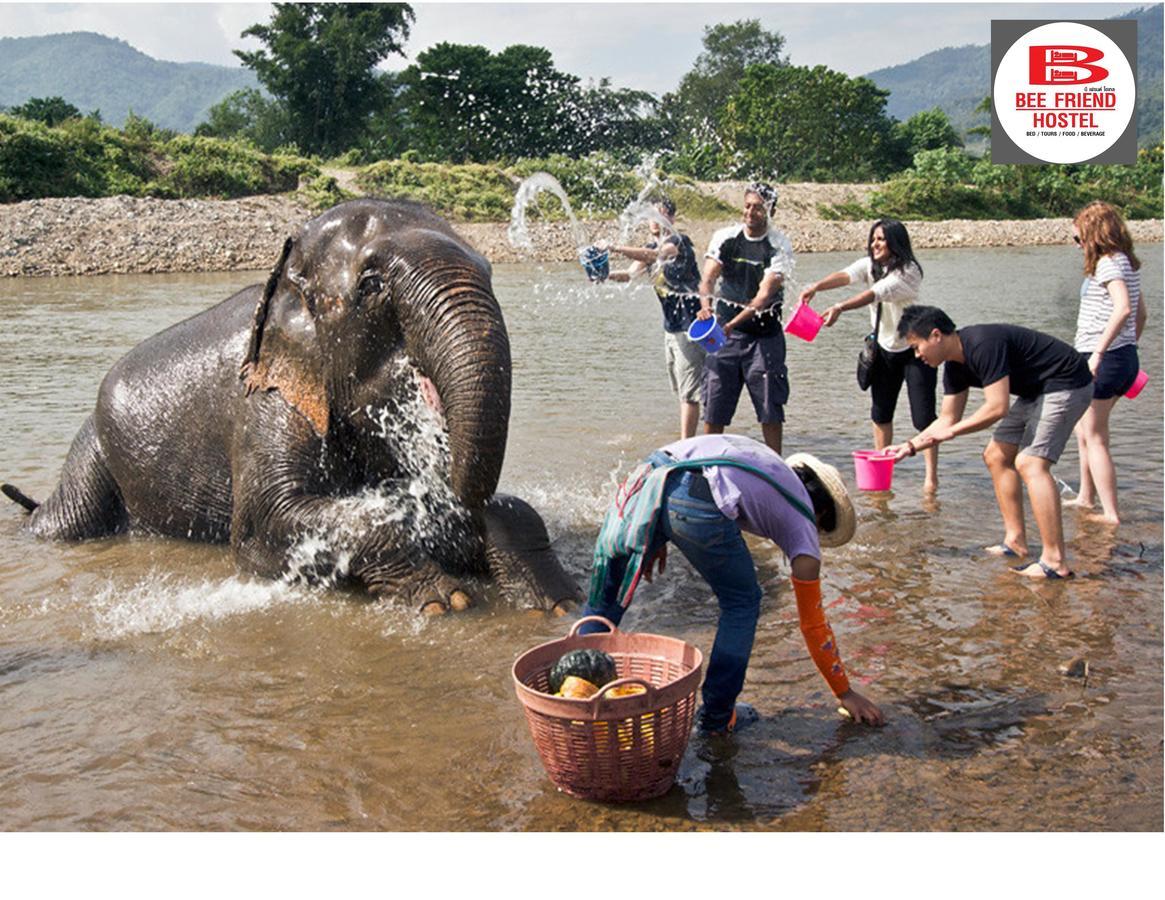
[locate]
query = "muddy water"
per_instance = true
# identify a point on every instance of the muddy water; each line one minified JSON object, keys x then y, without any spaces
{"x":148,"y":684}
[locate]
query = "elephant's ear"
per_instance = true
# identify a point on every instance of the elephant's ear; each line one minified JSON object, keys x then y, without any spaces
{"x":283,"y":352}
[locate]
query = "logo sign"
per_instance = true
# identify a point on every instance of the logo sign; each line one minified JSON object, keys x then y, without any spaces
{"x":1063,"y":92}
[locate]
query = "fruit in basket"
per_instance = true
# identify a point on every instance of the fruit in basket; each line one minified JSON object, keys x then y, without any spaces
{"x":595,"y":666}
{"x":627,"y":690}
{"x":576,"y":688}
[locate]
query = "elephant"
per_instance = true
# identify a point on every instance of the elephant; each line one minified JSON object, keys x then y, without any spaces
{"x":345,"y":420}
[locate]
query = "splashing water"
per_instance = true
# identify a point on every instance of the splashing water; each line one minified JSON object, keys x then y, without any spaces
{"x":163,"y":602}
{"x":638,"y":213}
{"x":527,"y":193}
{"x":416,"y":506}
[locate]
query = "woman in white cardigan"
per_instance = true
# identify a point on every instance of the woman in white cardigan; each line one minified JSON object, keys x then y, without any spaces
{"x":890,"y":278}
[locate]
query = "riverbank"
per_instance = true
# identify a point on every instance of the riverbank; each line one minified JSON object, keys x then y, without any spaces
{"x":77,"y":236}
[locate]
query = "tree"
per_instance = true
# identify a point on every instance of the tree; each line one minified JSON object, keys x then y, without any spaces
{"x":790,"y":122}
{"x":247,"y":114}
{"x":319,"y":63}
{"x":50,"y":110}
{"x":466,"y":104}
{"x":729,"y":49}
{"x":927,"y":130}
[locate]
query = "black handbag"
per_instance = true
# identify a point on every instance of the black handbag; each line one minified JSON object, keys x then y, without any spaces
{"x":868,"y":357}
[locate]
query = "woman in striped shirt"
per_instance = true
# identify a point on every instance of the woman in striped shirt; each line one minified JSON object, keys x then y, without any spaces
{"x":1112,"y":317}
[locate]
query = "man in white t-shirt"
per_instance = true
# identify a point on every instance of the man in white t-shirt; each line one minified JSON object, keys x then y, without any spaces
{"x":751,"y":262}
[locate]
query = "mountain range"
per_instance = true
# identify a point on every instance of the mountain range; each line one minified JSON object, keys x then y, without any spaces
{"x":958,"y":78}
{"x":94,"y":72}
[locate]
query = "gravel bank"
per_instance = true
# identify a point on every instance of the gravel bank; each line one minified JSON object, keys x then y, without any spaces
{"x":76,"y":236}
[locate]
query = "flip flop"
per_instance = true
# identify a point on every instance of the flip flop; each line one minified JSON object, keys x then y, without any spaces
{"x":1050,"y":574}
{"x":1001,"y":550}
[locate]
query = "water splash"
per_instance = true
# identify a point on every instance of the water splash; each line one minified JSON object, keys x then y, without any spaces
{"x":527,"y":193}
{"x":640,"y":212}
{"x":162,"y":602}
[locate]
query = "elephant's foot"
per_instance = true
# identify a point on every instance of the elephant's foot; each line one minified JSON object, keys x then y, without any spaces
{"x":439,"y":601}
{"x":564,"y":607}
{"x":558,"y":609}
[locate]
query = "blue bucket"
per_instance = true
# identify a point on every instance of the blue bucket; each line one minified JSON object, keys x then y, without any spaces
{"x":596,"y":263}
{"x":707,"y":333}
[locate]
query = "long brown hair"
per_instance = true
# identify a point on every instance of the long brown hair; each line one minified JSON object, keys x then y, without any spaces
{"x":1103,"y":231}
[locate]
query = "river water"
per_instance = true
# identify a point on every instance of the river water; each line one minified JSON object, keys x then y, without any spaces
{"x":148,"y":684}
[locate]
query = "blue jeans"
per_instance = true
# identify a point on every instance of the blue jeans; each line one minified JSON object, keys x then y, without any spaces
{"x":712,"y":543}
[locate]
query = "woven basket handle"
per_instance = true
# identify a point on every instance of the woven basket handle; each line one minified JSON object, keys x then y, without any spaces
{"x":575,"y":627}
{"x":601,"y":696}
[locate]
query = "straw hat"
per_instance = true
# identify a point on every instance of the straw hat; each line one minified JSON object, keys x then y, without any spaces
{"x":830,"y":479}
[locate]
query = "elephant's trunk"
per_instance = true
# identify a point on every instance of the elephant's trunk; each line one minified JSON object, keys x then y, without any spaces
{"x":458,"y":338}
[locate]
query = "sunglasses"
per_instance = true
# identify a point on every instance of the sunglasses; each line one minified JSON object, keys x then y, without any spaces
{"x":1076,"y":238}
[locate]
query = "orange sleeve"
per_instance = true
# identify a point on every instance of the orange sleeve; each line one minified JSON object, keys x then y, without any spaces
{"x":819,"y":636}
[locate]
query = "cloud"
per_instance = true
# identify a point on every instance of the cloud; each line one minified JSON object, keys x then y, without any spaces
{"x":641,"y":45}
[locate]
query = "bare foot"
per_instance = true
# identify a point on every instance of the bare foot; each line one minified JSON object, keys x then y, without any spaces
{"x":1078,"y":503}
{"x":1104,"y":518}
{"x":930,"y":487}
{"x":1006,"y":549}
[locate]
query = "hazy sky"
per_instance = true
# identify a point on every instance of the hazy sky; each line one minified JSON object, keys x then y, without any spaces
{"x":642,"y":45}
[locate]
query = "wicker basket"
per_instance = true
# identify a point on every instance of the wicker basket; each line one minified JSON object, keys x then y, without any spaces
{"x":608,"y":748}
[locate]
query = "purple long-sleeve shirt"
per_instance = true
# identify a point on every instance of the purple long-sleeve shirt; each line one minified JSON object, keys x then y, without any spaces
{"x":751,"y":501}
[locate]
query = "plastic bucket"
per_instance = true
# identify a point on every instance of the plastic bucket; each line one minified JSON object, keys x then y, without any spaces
{"x":873,"y":469}
{"x":1138,"y":385}
{"x":707,"y":333}
{"x":805,"y":323}
{"x":595,"y":262}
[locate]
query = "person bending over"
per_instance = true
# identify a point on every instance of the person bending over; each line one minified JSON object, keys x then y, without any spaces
{"x":700,"y":494}
{"x":1052,"y":388}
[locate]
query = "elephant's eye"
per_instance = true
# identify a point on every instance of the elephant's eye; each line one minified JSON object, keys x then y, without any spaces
{"x":371,"y":286}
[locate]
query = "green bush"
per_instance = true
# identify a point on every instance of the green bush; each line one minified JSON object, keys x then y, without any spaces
{"x":597,"y":185}
{"x":320,"y":192}
{"x":948,"y":184}
{"x":83,"y":158}
{"x":210,"y":167}
{"x":468,"y":193}
{"x":80,"y":157}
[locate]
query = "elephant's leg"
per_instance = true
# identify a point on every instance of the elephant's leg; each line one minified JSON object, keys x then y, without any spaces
{"x":521,"y":560}
{"x":285,"y":521}
{"x":86,"y":502}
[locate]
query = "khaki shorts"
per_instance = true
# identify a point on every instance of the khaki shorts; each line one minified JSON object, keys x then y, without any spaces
{"x":685,"y":365}
{"x":1041,"y":427}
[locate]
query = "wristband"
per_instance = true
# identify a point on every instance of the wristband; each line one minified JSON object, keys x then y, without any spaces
{"x":913,"y":449}
{"x":819,"y":636}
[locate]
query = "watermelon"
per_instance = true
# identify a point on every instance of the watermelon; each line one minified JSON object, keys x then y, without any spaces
{"x":595,"y":666}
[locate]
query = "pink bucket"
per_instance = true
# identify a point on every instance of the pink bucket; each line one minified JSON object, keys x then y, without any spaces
{"x":805,"y":323}
{"x":1138,"y":385}
{"x":873,"y":469}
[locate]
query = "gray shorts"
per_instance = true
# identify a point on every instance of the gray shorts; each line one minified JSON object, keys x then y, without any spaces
{"x":1041,"y":427}
{"x":757,"y":363}
{"x":685,"y":365}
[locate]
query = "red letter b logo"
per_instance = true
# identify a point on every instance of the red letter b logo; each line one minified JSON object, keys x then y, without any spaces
{"x":1064,"y":65}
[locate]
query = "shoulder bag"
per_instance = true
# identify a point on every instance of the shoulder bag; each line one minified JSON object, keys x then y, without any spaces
{"x":868,"y":357}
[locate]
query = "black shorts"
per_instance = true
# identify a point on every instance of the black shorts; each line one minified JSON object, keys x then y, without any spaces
{"x":885,"y":386}
{"x":757,"y":363}
{"x":1118,"y":371}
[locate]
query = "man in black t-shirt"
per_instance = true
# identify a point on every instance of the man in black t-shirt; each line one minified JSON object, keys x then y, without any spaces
{"x":751,"y":261}
{"x":1052,"y":385}
{"x":676,"y":279}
